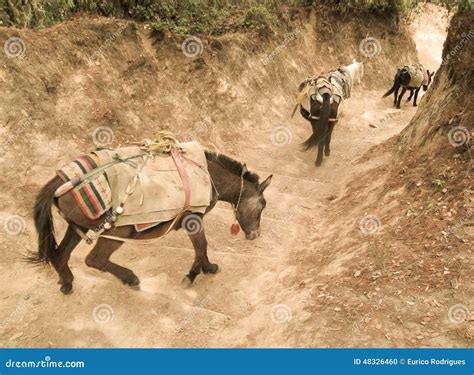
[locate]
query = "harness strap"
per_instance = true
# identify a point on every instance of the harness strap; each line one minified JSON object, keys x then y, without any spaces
{"x":132,"y":240}
{"x":178,"y":160}
{"x":317,"y":118}
{"x":76,"y":229}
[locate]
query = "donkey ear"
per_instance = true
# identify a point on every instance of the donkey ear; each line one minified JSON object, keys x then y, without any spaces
{"x":244,"y":169}
{"x":264,"y":184}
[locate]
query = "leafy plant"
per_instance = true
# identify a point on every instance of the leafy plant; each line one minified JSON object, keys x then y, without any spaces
{"x":438,"y":184}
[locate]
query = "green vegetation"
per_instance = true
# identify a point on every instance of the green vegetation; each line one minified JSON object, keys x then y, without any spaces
{"x":193,"y":16}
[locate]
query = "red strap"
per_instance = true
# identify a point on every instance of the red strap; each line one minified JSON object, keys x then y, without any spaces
{"x":178,"y":160}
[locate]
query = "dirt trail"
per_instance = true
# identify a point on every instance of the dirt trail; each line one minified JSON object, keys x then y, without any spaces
{"x":240,"y":305}
{"x":253,"y":301}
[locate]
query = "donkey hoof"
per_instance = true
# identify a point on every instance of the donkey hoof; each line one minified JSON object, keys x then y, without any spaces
{"x":66,"y":288}
{"x":132,"y":281}
{"x":211,"y":268}
{"x":186,"y":282}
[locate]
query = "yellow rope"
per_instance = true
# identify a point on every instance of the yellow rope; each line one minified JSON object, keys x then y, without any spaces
{"x":163,"y":144}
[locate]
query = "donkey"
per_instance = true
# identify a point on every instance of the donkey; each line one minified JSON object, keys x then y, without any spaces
{"x":411,"y":78}
{"x":329,"y":93}
{"x":232,"y":183}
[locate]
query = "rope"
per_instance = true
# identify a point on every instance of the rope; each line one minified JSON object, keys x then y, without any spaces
{"x":163,"y":144}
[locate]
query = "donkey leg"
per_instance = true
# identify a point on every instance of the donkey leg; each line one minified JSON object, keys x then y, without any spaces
{"x":395,"y":95}
{"x":416,"y":97}
{"x":201,"y":261}
{"x":99,"y":258}
{"x":404,"y":90}
{"x":61,"y":259}
{"x":410,"y":96}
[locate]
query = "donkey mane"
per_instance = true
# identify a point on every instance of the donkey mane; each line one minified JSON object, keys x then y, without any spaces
{"x":232,"y":165}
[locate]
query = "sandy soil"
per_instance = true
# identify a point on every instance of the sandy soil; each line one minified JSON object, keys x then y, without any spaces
{"x":260,"y":296}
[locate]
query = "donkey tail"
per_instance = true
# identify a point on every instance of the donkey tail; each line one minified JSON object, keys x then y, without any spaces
{"x":315,"y":138}
{"x":389,"y":92}
{"x":44,"y":224}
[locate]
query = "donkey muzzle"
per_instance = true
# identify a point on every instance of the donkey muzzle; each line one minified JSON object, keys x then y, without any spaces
{"x":252,"y":235}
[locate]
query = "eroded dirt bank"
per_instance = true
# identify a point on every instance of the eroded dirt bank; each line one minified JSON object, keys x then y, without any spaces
{"x":305,"y":282}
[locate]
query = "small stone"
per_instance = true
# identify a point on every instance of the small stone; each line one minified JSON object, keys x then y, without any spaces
{"x":357,"y":273}
{"x":337,"y":309}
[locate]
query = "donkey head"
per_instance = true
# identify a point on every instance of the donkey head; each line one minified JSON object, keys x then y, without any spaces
{"x":250,"y":208}
{"x":430,"y":76}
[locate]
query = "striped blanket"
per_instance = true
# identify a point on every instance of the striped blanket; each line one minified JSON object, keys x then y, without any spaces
{"x":93,"y":196}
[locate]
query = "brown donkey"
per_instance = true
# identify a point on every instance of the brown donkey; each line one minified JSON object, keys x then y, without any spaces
{"x":233,"y":183}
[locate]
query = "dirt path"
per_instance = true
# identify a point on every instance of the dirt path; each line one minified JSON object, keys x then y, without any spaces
{"x":248,"y":302}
